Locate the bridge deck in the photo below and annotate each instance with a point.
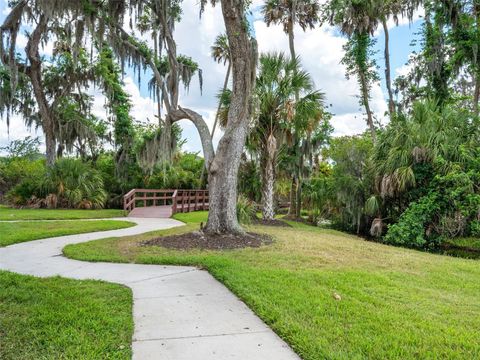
(152, 212)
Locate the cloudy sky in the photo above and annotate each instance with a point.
(320, 51)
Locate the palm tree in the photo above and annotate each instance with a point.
(221, 53)
(384, 10)
(358, 20)
(429, 133)
(290, 12)
(279, 81)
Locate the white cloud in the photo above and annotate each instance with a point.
(17, 130)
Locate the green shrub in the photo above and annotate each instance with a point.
(246, 210)
(14, 171)
(475, 228)
(75, 183)
(410, 230)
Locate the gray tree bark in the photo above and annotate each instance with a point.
(223, 171)
(34, 72)
(366, 103)
(296, 181)
(388, 76)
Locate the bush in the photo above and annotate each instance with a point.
(69, 183)
(475, 228)
(76, 184)
(14, 171)
(410, 230)
(246, 210)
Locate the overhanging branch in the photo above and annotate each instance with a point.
(202, 128)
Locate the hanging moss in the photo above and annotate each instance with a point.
(119, 105)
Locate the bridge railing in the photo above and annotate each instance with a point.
(180, 200)
(147, 197)
(190, 200)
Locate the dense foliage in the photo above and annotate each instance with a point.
(26, 180)
(413, 182)
(417, 186)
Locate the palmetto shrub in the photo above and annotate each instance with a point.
(76, 185)
(245, 210)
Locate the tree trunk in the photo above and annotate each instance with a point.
(476, 95)
(35, 74)
(358, 223)
(298, 192)
(294, 203)
(291, 40)
(388, 76)
(293, 198)
(366, 103)
(268, 185)
(223, 171)
(225, 84)
(298, 200)
(268, 179)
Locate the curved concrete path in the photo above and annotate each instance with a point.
(180, 313)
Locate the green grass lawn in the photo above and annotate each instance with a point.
(395, 303)
(7, 213)
(56, 318)
(15, 232)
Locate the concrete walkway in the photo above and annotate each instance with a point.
(180, 313)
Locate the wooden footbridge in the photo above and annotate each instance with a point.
(153, 203)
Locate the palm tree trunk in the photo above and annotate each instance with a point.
(293, 198)
(476, 96)
(268, 184)
(388, 78)
(295, 205)
(298, 195)
(358, 223)
(268, 178)
(291, 40)
(366, 103)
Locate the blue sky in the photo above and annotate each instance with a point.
(320, 51)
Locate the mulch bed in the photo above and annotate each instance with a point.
(274, 222)
(199, 240)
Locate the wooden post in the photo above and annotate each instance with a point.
(174, 201)
(183, 201)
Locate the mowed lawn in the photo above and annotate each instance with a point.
(7, 213)
(56, 318)
(16, 232)
(395, 303)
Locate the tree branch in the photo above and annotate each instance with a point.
(202, 128)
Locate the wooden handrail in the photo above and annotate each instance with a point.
(180, 200)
